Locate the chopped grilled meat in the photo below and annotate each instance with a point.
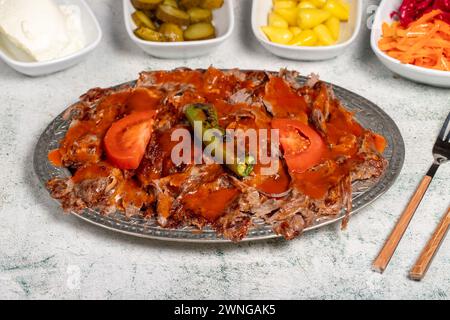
(291, 77)
(241, 96)
(200, 195)
(313, 78)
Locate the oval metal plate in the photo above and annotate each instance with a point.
(367, 113)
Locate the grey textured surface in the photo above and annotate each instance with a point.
(45, 254)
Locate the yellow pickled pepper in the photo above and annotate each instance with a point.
(284, 4)
(318, 3)
(324, 35)
(286, 9)
(305, 38)
(337, 9)
(306, 4)
(278, 35)
(290, 15)
(309, 18)
(306, 22)
(334, 25)
(276, 20)
(295, 30)
(345, 4)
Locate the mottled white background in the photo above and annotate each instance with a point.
(46, 254)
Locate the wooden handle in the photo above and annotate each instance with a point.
(420, 268)
(391, 244)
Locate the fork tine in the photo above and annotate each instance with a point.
(444, 129)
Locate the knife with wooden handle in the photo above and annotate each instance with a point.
(396, 235)
(422, 264)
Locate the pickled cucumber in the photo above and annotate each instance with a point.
(142, 20)
(149, 34)
(146, 4)
(190, 3)
(211, 4)
(200, 31)
(200, 15)
(170, 14)
(172, 3)
(171, 32)
(174, 20)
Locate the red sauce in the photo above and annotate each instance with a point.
(285, 102)
(92, 172)
(143, 99)
(132, 195)
(55, 158)
(317, 183)
(179, 77)
(342, 138)
(210, 204)
(83, 134)
(271, 184)
(213, 86)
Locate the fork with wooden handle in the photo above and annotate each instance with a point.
(420, 268)
(441, 153)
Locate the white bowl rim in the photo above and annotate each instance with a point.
(71, 56)
(225, 36)
(356, 32)
(379, 52)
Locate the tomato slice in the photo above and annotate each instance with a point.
(126, 140)
(303, 147)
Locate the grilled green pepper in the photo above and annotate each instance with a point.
(207, 115)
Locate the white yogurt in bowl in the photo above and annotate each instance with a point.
(40, 37)
(40, 30)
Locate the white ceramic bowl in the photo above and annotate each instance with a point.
(93, 35)
(418, 74)
(349, 32)
(223, 20)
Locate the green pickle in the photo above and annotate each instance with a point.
(142, 20)
(149, 34)
(200, 15)
(171, 32)
(170, 14)
(200, 31)
(211, 4)
(172, 3)
(190, 3)
(146, 4)
(174, 20)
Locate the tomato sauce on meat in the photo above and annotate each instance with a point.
(200, 195)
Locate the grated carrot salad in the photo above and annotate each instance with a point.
(424, 42)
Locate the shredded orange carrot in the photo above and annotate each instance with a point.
(424, 43)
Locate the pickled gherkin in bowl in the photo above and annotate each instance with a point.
(174, 20)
